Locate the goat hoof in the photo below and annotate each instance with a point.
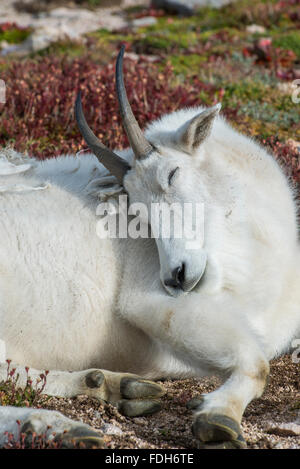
(196, 403)
(94, 379)
(218, 431)
(29, 429)
(80, 437)
(44, 424)
(132, 388)
(138, 408)
(233, 444)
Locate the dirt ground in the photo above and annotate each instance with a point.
(171, 427)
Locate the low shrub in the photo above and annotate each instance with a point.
(13, 395)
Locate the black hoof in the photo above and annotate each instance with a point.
(220, 431)
(80, 437)
(132, 388)
(138, 408)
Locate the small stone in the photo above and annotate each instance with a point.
(139, 421)
(278, 445)
(284, 429)
(10, 49)
(40, 40)
(296, 146)
(144, 22)
(4, 44)
(148, 58)
(152, 58)
(132, 56)
(255, 28)
(109, 429)
(286, 87)
(174, 6)
(187, 7)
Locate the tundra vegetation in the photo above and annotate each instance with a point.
(213, 56)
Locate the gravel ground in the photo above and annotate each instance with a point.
(171, 427)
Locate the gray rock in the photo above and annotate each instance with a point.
(284, 429)
(255, 28)
(60, 24)
(174, 6)
(144, 22)
(109, 429)
(38, 40)
(187, 7)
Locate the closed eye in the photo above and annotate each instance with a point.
(171, 175)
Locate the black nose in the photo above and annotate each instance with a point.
(177, 279)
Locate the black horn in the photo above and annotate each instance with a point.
(113, 162)
(139, 144)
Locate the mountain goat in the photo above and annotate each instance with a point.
(150, 307)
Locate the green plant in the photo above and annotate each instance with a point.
(290, 41)
(12, 33)
(12, 394)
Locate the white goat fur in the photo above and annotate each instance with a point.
(70, 301)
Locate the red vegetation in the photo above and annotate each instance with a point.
(280, 60)
(11, 26)
(288, 155)
(38, 116)
(35, 441)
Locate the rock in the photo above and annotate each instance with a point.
(41, 39)
(255, 28)
(297, 73)
(38, 40)
(63, 23)
(109, 429)
(173, 6)
(152, 58)
(133, 3)
(4, 44)
(284, 429)
(64, 14)
(14, 49)
(132, 56)
(285, 87)
(144, 22)
(296, 146)
(187, 7)
(148, 58)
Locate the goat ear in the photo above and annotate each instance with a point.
(195, 131)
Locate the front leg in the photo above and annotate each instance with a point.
(210, 334)
(131, 394)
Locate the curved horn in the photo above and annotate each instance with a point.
(140, 146)
(114, 163)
